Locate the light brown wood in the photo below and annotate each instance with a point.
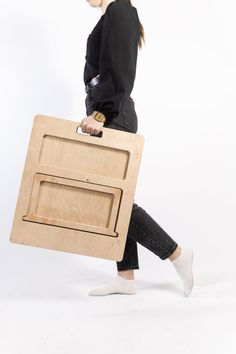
(77, 190)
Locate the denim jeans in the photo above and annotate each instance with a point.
(142, 227)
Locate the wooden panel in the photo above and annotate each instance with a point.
(63, 202)
(77, 190)
(73, 154)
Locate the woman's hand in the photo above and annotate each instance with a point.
(90, 125)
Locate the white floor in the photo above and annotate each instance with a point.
(45, 309)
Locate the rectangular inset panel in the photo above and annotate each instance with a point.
(72, 155)
(63, 202)
(73, 204)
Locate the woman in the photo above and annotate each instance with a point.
(109, 75)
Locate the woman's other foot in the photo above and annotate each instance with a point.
(183, 262)
(119, 285)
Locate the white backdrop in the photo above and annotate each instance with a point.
(184, 96)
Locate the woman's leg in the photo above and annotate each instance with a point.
(142, 229)
(145, 230)
(129, 273)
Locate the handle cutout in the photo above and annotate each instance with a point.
(99, 135)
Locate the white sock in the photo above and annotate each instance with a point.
(183, 266)
(118, 285)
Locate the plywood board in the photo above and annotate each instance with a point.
(77, 190)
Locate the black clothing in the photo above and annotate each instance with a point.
(111, 52)
(142, 227)
(126, 120)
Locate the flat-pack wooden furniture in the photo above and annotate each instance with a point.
(77, 190)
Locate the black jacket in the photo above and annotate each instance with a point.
(111, 52)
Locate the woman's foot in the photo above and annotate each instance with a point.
(183, 261)
(119, 285)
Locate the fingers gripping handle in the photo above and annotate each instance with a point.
(79, 124)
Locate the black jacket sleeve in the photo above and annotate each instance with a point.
(118, 57)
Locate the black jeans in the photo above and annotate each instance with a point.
(142, 227)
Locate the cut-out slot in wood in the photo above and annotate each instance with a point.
(73, 204)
